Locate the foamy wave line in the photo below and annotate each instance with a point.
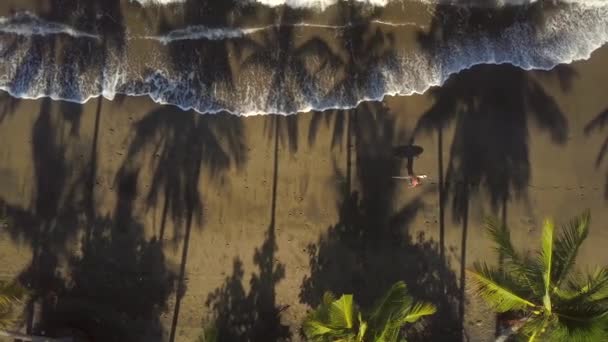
(570, 34)
(321, 4)
(196, 32)
(28, 24)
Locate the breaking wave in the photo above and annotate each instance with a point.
(186, 69)
(28, 24)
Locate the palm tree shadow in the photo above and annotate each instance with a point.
(491, 107)
(122, 277)
(371, 233)
(238, 315)
(255, 316)
(597, 124)
(365, 48)
(115, 284)
(185, 146)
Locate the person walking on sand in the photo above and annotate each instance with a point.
(410, 152)
(414, 179)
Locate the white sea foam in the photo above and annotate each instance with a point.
(28, 24)
(158, 2)
(565, 35)
(321, 4)
(196, 32)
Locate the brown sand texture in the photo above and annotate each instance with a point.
(161, 221)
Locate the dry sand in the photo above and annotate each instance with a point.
(275, 214)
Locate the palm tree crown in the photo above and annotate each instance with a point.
(552, 301)
(341, 320)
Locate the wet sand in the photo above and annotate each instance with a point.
(129, 210)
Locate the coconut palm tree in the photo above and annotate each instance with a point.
(549, 299)
(341, 320)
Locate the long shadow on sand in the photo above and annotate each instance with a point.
(490, 108)
(254, 316)
(185, 146)
(100, 277)
(597, 124)
(115, 283)
(370, 247)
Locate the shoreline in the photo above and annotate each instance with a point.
(230, 74)
(165, 221)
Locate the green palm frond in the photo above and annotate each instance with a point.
(334, 319)
(593, 287)
(394, 310)
(574, 306)
(581, 324)
(546, 258)
(567, 245)
(502, 238)
(362, 329)
(595, 332)
(528, 271)
(418, 311)
(11, 293)
(395, 303)
(320, 331)
(498, 289)
(342, 312)
(535, 328)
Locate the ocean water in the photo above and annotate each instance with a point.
(282, 56)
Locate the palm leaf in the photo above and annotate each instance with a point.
(594, 287)
(418, 311)
(362, 329)
(535, 328)
(502, 238)
(393, 310)
(395, 300)
(333, 319)
(546, 258)
(525, 269)
(580, 322)
(11, 293)
(314, 330)
(498, 289)
(388, 333)
(567, 245)
(342, 312)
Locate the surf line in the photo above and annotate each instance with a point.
(27, 24)
(197, 32)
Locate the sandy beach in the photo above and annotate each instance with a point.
(284, 208)
(136, 221)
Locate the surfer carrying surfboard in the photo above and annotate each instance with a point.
(410, 152)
